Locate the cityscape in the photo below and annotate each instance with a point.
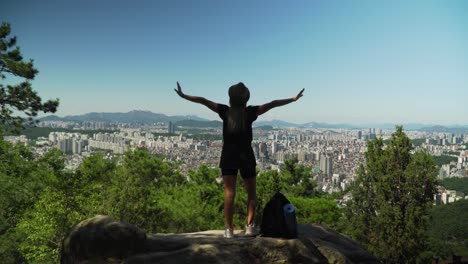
(333, 155)
(370, 142)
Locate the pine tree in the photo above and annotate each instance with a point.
(20, 98)
(391, 199)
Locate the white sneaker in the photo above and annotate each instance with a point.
(228, 233)
(250, 230)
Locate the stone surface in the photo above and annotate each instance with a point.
(316, 244)
(102, 239)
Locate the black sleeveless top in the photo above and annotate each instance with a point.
(237, 147)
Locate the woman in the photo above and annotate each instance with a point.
(237, 154)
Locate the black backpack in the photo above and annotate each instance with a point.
(276, 221)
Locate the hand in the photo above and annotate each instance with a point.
(179, 90)
(299, 95)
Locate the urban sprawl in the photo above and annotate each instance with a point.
(333, 154)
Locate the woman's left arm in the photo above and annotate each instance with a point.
(266, 107)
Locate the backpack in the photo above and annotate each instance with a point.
(279, 218)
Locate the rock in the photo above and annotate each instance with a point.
(101, 239)
(316, 244)
(336, 247)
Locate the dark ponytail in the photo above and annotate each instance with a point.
(238, 96)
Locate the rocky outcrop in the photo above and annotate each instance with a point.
(316, 244)
(101, 239)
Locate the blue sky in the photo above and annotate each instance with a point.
(360, 61)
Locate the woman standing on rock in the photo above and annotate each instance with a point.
(237, 153)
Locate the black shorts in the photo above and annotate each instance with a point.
(235, 158)
(246, 172)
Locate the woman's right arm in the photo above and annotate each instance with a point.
(266, 107)
(197, 99)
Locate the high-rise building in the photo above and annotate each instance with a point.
(274, 147)
(279, 156)
(255, 147)
(262, 147)
(326, 165)
(302, 155)
(171, 128)
(66, 145)
(263, 154)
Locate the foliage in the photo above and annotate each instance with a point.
(45, 226)
(322, 210)
(391, 200)
(133, 183)
(298, 180)
(457, 184)
(418, 141)
(20, 98)
(441, 160)
(40, 201)
(192, 206)
(57, 209)
(22, 180)
(295, 181)
(448, 229)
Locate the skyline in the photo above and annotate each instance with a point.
(392, 62)
(148, 117)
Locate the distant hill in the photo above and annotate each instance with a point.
(444, 129)
(265, 128)
(135, 116)
(148, 117)
(50, 118)
(280, 123)
(326, 125)
(199, 123)
(275, 123)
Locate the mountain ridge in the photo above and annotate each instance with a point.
(134, 116)
(148, 117)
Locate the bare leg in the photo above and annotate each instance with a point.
(251, 188)
(229, 196)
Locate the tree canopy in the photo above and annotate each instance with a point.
(448, 229)
(391, 198)
(456, 183)
(18, 98)
(40, 200)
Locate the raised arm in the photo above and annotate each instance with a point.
(266, 107)
(197, 99)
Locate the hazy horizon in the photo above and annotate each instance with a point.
(361, 62)
(263, 119)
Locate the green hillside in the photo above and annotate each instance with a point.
(457, 184)
(448, 229)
